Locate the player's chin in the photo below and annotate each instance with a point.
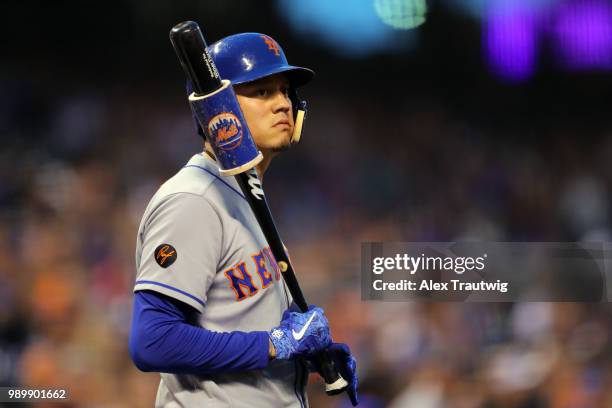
(282, 142)
(281, 147)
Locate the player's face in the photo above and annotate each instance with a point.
(267, 109)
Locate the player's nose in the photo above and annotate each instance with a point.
(281, 102)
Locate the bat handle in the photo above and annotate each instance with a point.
(334, 383)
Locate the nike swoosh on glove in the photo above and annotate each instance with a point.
(301, 334)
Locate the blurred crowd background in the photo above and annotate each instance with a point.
(429, 121)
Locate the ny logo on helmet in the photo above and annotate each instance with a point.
(272, 45)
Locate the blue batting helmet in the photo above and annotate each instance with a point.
(247, 57)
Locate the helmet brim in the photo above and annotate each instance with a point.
(298, 76)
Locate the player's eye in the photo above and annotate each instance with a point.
(262, 92)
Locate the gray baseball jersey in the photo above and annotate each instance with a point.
(200, 243)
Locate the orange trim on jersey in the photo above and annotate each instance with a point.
(243, 270)
(262, 271)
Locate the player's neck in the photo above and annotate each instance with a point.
(260, 168)
(263, 165)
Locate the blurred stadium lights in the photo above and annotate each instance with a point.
(479, 8)
(510, 42)
(581, 31)
(351, 29)
(513, 32)
(401, 14)
(583, 34)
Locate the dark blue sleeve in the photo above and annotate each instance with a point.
(163, 340)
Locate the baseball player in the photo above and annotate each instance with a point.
(211, 312)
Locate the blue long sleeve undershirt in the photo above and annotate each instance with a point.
(162, 340)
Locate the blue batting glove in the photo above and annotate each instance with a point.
(300, 334)
(346, 365)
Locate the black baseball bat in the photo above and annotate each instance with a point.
(190, 48)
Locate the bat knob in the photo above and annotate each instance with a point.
(190, 48)
(336, 387)
(184, 27)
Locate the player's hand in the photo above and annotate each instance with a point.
(300, 334)
(346, 365)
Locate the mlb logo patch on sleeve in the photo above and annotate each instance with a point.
(165, 255)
